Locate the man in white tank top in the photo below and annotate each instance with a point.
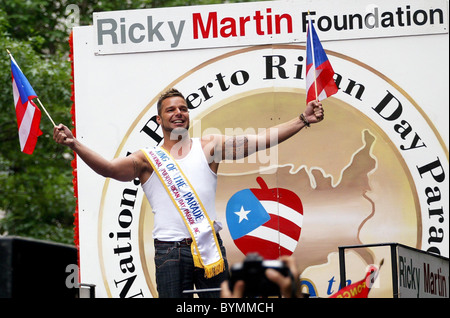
(199, 159)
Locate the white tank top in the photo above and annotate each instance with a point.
(168, 224)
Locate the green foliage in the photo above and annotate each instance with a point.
(36, 192)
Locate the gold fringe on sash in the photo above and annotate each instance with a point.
(211, 270)
(196, 257)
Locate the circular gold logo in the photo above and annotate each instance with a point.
(361, 174)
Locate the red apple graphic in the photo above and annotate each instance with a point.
(266, 221)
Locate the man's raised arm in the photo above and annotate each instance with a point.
(237, 147)
(122, 169)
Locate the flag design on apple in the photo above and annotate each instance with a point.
(266, 221)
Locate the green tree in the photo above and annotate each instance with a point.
(35, 190)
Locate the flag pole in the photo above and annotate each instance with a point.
(45, 110)
(312, 53)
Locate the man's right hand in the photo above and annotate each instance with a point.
(63, 136)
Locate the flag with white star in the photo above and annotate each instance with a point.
(245, 213)
(265, 221)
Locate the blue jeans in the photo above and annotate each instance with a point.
(175, 271)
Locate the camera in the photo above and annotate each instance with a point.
(252, 272)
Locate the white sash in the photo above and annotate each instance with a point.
(205, 247)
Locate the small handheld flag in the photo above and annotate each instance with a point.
(27, 113)
(319, 72)
(361, 288)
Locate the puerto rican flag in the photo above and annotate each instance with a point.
(262, 222)
(319, 71)
(361, 288)
(27, 113)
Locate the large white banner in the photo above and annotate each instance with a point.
(262, 23)
(375, 170)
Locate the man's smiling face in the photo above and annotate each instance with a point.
(174, 114)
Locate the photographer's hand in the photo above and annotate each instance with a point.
(238, 291)
(290, 285)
